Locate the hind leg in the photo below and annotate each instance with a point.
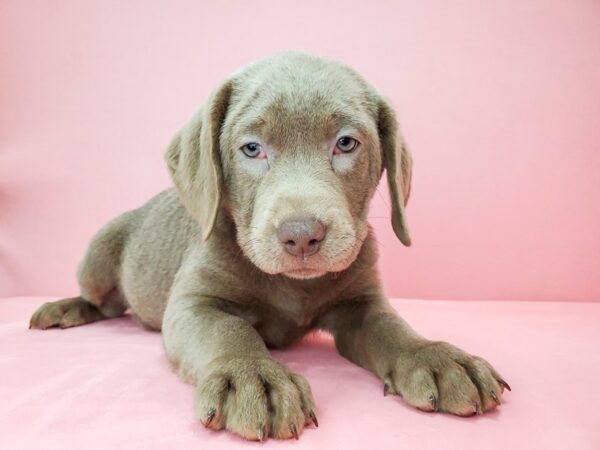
(98, 276)
(66, 313)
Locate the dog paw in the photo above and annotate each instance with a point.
(437, 376)
(66, 313)
(255, 397)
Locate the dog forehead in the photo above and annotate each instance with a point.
(298, 70)
(312, 104)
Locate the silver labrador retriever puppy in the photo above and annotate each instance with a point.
(266, 238)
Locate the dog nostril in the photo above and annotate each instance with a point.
(301, 236)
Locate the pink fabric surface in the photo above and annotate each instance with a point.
(498, 100)
(108, 385)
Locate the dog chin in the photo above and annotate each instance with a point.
(304, 274)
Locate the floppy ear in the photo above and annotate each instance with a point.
(397, 162)
(194, 160)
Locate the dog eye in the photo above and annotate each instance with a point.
(346, 144)
(251, 150)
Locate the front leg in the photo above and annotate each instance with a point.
(239, 386)
(432, 376)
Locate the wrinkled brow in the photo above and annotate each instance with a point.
(254, 123)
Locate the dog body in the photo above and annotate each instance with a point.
(142, 251)
(264, 238)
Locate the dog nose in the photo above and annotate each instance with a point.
(301, 236)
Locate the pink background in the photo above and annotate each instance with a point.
(499, 101)
(108, 385)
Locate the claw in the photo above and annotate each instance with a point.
(504, 384)
(476, 408)
(294, 430)
(494, 397)
(433, 402)
(313, 417)
(210, 416)
(386, 389)
(262, 433)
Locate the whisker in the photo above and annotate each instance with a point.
(382, 197)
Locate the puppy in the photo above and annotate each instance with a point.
(265, 238)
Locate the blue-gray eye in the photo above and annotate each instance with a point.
(251, 150)
(346, 144)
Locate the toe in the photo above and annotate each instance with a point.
(499, 378)
(490, 391)
(210, 401)
(48, 315)
(307, 402)
(247, 408)
(419, 389)
(457, 393)
(71, 318)
(287, 416)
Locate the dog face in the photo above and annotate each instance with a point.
(293, 147)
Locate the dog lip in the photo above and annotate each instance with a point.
(304, 273)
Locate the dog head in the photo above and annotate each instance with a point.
(292, 147)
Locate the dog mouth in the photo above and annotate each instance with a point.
(314, 267)
(269, 254)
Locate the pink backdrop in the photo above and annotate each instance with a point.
(499, 101)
